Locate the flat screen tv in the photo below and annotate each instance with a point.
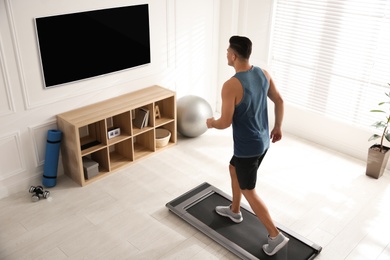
(82, 45)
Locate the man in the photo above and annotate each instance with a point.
(244, 106)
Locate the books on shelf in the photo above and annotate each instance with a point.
(141, 118)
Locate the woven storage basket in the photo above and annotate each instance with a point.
(162, 137)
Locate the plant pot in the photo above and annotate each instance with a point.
(377, 161)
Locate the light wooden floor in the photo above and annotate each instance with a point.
(318, 193)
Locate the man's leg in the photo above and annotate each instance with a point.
(276, 240)
(260, 209)
(233, 210)
(236, 191)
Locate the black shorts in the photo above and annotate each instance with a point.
(246, 170)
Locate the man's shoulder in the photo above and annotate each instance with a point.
(232, 83)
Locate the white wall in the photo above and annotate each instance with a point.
(251, 18)
(337, 135)
(184, 35)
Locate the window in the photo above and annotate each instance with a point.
(333, 57)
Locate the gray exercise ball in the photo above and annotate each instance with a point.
(192, 112)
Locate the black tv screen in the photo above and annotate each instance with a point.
(82, 45)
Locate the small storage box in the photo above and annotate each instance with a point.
(91, 168)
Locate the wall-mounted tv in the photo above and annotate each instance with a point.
(82, 45)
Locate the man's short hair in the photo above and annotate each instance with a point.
(241, 45)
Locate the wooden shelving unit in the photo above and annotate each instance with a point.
(85, 132)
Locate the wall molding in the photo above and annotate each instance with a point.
(15, 138)
(11, 22)
(38, 135)
(4, 72)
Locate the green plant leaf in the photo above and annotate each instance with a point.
(385, 102)
(383, 124)
(375, 136)
(379, 124)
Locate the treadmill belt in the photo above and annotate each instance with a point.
(245, 239)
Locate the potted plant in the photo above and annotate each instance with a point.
(378, 153)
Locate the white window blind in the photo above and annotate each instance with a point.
(333, 57)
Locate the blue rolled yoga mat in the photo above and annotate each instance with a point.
(51, 159)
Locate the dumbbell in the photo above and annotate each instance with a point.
(38, 192)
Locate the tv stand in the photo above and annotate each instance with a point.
(85, 132)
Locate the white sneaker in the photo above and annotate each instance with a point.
(227, 212)
(274, 245)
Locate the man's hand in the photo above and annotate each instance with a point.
(209, 122)
(276, 135)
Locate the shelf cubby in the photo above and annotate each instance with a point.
(144, 144)
(121, 121)
(167, 110)
(150, 120)
(92, 136)
(121, 154)
(85, 131)
(171, 127)
(101, 157)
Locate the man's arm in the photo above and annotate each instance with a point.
(274, 95)
(228, 95)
